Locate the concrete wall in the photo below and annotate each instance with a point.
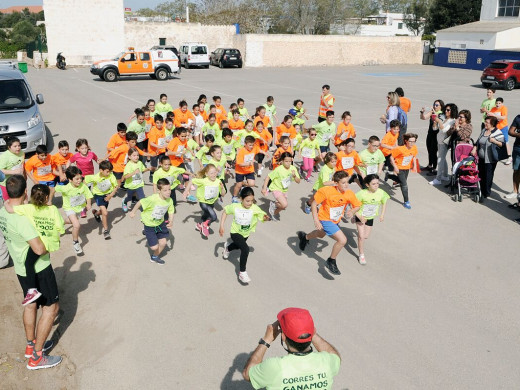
(455, 40)
(84, 31)
(489, 12)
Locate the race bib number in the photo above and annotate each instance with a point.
(347, 162)
(406, 161)
(294, 141)
(371, 169)
(104, 186)
(137, 179)
(169, 137)
(308, 153)
(159, 211)
(248, 158)
(343, 136)
(228, 149)
(161, 142)
(141, 137)
(78, 200)
(243, 141)
(210, 192)
(170, 179)
(335, 213)
(147, 127)
(180, 149)
(211, 131)
(286, 134)
(243, 217)
(325, 137)
(243, 118)
(286, 182)
(370, 210)
(17, 166)
(42, 171)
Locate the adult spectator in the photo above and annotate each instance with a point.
(301, 368)
(514, 131)
(431, 138)
(489, 138)
(487, 104)
(326, 103)
(23, 241)
(450, 115)
(460, 131)
(392, 112)
(405, 103)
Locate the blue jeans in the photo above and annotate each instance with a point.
(208, 212)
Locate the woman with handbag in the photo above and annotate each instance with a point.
(490, 148)
(451, 113)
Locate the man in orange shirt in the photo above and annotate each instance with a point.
(183, 116)
(404, 102)
(118, 138)
(333, 201)
(40, 168)
(402, 159)
(245, 165)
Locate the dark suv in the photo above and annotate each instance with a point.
(226, 57)
(501, 73)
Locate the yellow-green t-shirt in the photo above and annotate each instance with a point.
(281, 178)
(220, 165)
(135, 181)
(203, 155)
(74, 198)
(213, 130)
(309, 148)
(101, 185)
(241, 135)
(154, 208)
(228, 149)
(324, 176)
(370, 202)
(139, 129)
(244, 220)
(207, 191)
(170, 175)
(10, 161)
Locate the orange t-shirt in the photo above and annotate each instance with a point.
(236, 125)
(177, 146)
(204, 115)
(405, 104)
(347, 162)
(333, 203)
(119, 157)
(284, 130)
(149, 124)
(264, 120)
(181, 118)
(59, 160)
(344, 132)
(221, 110)
(388, 139)
(503, 112)
(158, 137)
(278, 152)
(403, 156)
(41, 169)
(244, 155)
(264, 140)
(115, 141)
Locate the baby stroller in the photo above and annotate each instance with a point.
(465, 178)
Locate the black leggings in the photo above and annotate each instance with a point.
(30, 273)
(431, 145)
(239, 242)
(402, 178)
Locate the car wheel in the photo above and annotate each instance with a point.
(161, 74)
(186, 65)
(509, 84)
(240, 65)
(110, 75)
(221, 65)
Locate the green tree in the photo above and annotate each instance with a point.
(449, 13)
(23, 33)
(415, 16)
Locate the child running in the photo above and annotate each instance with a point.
(245, 166)
(349, 161)
(280, 179)
(309, 150)
(171, 173)
(11, 162)
(333, 200)
(40, 168)
(83, 159)
(246, 216)
(371, 198)
(133, 178)
(156, 229)
(324, 177)
(61, 161)
(76, 198)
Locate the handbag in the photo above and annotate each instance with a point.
(499, 153)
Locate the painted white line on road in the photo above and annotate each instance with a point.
(108, 90)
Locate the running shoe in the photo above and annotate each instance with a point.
(205, 230)
(362, 260)
(83, 213)
(29, 348)
(508, 161)
(235, 199)
(333, 267)
(272, 209)
(96, 216)
(260, 170)
(225, 253)
(191, 198)
(157, 260)
(511, 195)
(386, 177)
(307, 209)
(407, 205)
(32, 295)
(244, 277)
(198, 227)
(124, 206)
(303, 240)
(435, 182)
(77, 247)
(106, 234)
(39, 361)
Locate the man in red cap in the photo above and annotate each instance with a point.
(302, 367)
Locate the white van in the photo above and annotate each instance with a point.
(194, 54)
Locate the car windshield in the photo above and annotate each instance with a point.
(232, 52)
(14, 94)
(116, 58)
(199, 50)
(497, 65)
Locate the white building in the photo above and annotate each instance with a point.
(475, 45)
(385, 24)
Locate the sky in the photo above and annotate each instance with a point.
(134, 4)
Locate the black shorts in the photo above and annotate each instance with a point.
(240, 178)
(155, 233)
(100, 200)
(154, 160)
(353, 178)
(118, 175)
(46, 284)
(369, 222)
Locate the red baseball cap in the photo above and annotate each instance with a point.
(296, 323)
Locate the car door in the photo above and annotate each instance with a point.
(128, 63)
(145, 63)
(216, 56)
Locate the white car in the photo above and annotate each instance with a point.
(194, 54)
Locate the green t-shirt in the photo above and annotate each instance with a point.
(10, 161)
(244, 220)
(324, 176)
(241, 135)
(163, 109)
(154, 209)
(207, 191)
(221, 166)
(281, 178)
(135, 181)
(17, 230)
(488, 104)
(309, 148)
(372, 161)
(170, 175)
(74, 198)
(213, 130)
(298, 120)
(243, 114)
(47, 221)
(270, 112)
(194, 146)
(325, 132)
(228, 149)
(370, 202)
(203, 155)
(139, 129)
(313, 371)
(168, 134)
(102, 185)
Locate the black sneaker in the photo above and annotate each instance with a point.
(96, 216)
(156, 260)
(106, 234)
(303, 240)
(332, 266)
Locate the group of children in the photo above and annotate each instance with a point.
(198, 151)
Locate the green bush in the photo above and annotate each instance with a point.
(429, 37)
(8, 50)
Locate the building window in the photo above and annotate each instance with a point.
(400, 25)
(508, 7)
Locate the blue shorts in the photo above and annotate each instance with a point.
(240, 178)
(100, 200)
(48, 183)
(155, 233)
(505, 133)
(330, 228)
(324, 149)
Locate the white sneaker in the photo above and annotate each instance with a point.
(435, 182)
(77, 248)
(244, 277)
(272, 208)
(508, 161)
(225, 253)
(511, 195)
(362, 260)
(260, 170)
